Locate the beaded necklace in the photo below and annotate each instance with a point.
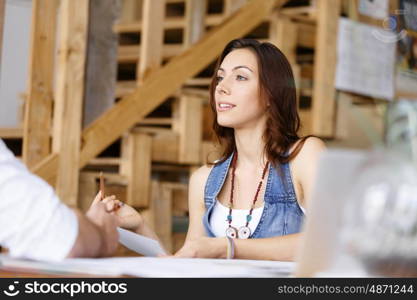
(244, 232)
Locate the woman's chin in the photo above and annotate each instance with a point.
(226, 123)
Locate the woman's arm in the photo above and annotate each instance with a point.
(305, 167)
(196, 203)
(282, 248)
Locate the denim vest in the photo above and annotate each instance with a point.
(281, 214)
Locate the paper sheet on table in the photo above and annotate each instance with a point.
(160, 267)
(140, 243)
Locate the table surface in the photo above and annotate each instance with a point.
(15, 273)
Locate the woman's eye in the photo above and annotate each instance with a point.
(219, 78)
(240, 77)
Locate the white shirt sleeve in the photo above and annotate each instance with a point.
(33, 222)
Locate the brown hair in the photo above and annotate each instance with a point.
(277, 88)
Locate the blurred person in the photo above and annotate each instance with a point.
(35, 224)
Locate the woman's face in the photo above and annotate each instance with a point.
(237, 96)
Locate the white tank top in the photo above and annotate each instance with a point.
(218, 219)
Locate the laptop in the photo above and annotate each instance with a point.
(320, 245)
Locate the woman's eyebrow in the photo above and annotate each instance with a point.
(235, 68)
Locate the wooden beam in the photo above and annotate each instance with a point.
(283, 33)
(38, 106)
(72, 52)
(306, 36)
(188, 114)
(163, 210)
(159, 213)
(131, 10)
(165, 81)
(152, 38)
(168, 23)
(130, 53)
(136, 166)
(179, 198)
(231, 6)
(47, 168)
(325, 58)
(87, 192)
(11, 133)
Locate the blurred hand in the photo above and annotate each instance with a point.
(107, 223)
(127, 216)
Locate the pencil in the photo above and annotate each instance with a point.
(102, 186)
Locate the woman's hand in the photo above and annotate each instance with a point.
(127, 216)
(204, 247)
(106, 223)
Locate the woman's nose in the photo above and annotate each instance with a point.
(222, 88)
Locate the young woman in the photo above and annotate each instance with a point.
(256, 193)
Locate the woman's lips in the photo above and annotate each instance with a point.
(223, 106)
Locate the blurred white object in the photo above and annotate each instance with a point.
(380, 221)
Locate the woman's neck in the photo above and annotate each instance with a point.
(250, 146)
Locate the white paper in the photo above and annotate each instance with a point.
(376, 9)
(65, 267)
(365, 59)
(139, 243)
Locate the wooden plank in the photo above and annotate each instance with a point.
(195, 12)
(165, 81)
(131, 10)
(11, 133)
(325, 58)
(152, 38)
(306, 35)
(87, 192)
(298, 10)
(231, 6)
(168, 23)
(156, 121)
(180, 199)
(136, 166)
(188, 114)
(163, 210)
(165, 147)
(72, 50)
(130, 53)
(283, 33)
(148, 213)
(38, 107)
(105, 161)
(164, 143)
(305, 118)
(47, 168)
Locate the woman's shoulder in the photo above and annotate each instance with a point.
(310, 144)
(311, 147)
(201, 174)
